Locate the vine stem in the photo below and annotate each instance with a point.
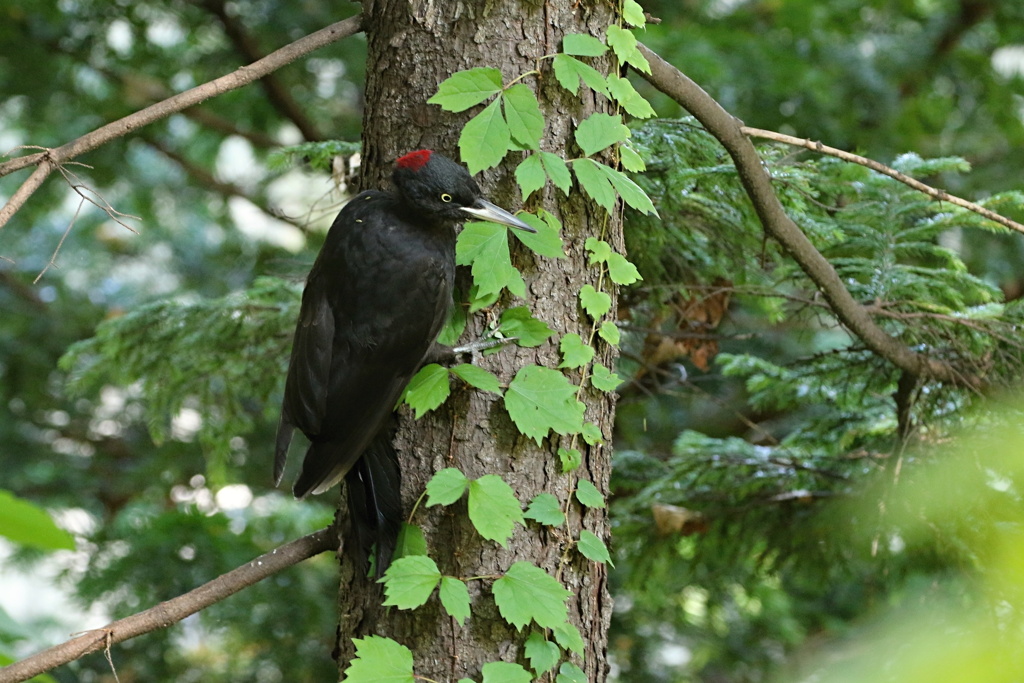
(521, 77)
(416, 506)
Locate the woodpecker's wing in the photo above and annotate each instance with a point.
(358, 406)
(309, 370)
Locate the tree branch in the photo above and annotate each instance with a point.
(167, 613)
(935, 193)
(155, 91)
(27, 188)
(756, 181)
(276, 92)
(236, 79)
(208, 181)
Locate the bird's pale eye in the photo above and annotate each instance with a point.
(446, 197)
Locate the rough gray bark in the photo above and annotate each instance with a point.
(412, 46)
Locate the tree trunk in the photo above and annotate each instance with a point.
(412, 46)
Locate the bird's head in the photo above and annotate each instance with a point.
(440, 187)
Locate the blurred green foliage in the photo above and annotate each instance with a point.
(784, 503)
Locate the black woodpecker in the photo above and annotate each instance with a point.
(375, 301)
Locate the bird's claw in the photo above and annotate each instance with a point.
(474, 348)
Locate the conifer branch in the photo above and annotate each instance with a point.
(935, 193)
(728, 130)
(174, 610)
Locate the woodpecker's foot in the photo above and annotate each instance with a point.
(480, 345)
(445, 355)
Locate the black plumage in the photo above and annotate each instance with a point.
(374, 303)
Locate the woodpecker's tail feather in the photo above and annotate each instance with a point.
(375, 502)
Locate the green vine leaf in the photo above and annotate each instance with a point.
(570, 673)
(569, 71)
(630, 192)
(410, 541)
(623, 92)
(476, 376)
(570, 459)
(493, 508)
(588, 495)
(623, 42)
(582, 45)
(409, 581)
(454, 328)
(544, 508)
(593, 548)
(485, 138)
(525, 120)
(557, 170)
(464, 89)
(484, 246)
(380, 660)
(595, 303)
(631, 160)
(540, 400)
(575, 353)
(543, 654)
(604, 379)
(547, 241)
(519, 323)
(600, 130)
(568, 636)
(621, 271)
(478, 301)
(609, 331)
(592, 434)
(505, 672)
(595, 183)
(427, 389)
(599, 250)
(633, 13)
(455, 598)
(527, 593)
(530, 175)
(446, 487)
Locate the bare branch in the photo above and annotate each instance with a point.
(209, 119)
(234, 80)
(210, 182)
(935, 193)
(67, 231)
(167, 613)
(756, 181)
(155, 91)
(84, 191)
(27, 294)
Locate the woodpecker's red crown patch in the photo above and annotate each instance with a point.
(414, 161)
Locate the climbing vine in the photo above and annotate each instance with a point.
(539, 400)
